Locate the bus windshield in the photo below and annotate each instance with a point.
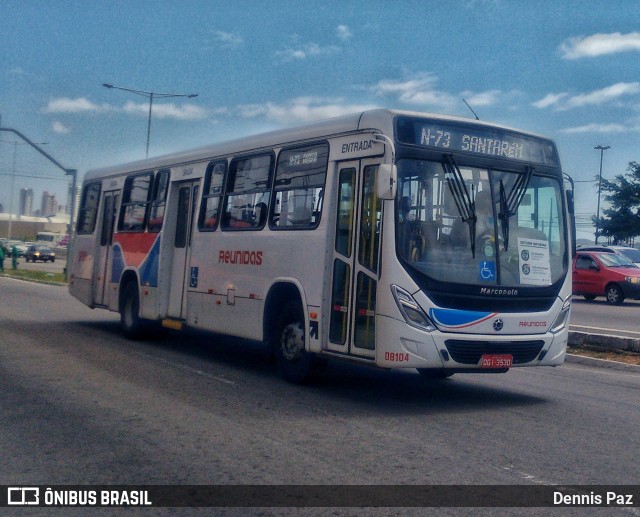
(478, 226)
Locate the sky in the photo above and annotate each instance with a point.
(568, 70)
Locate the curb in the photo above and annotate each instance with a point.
(604, 341)
(33, 281)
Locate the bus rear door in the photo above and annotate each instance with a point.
(107, 222)
(182, 276)
(355, 260)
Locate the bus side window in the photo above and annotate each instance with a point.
(299, 187)
(161, 185)
(135, 203)
(212, 196)
(247, 192)
(87, 215)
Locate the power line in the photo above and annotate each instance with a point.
(32, 176)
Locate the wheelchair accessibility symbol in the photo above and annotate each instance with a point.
(487, 270)
(193, 277)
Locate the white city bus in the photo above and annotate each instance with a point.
(403, 240)
(50, 238)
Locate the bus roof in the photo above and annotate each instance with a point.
(374, 119)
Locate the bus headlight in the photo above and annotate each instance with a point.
(562, 318)
(410, 310)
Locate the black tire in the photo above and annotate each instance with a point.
(295, 364)
(589, 297)
(130, 321)
(434, 374)
(53, 260)
(614, 294)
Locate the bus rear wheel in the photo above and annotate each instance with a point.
(130, 321)
(296, 365)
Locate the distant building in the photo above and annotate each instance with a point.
(26, 201)
(49, 205)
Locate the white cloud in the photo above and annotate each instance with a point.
(17, 71)
(610, 94)
(228, 39)
(595, 128)
(604, 95)
(419, 90)
(599, 45)
(60, 128)
(302, 109)
(168, 110)
(306, 51)
(343, 32)
(79, 105)
(160, 110)
(488, 98)
(551, 99)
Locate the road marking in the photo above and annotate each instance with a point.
(186, 367)
(576, 327)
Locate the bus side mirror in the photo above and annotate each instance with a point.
(387, 181)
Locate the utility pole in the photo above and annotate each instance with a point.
(602, 149)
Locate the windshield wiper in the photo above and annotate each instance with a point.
(465, 205)
(510, 202)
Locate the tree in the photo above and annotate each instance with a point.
(621, 221)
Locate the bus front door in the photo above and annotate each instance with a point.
(187, 194)
(355, 261)
(103, 255)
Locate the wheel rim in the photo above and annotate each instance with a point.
(613, 295)
(292, 341)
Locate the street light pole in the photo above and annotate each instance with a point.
(602, 149)
(68, 172)
(150, 96)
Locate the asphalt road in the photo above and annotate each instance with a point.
(79, 404)
(599, 317)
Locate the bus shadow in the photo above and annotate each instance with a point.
(370, 389)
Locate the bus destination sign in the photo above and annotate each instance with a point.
(477, 140)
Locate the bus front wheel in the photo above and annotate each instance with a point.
(294, 362)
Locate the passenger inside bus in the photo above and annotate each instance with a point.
(484, 228)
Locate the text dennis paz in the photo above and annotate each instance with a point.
(593, 499)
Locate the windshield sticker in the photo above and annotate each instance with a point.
(487, 271)
(535, 265)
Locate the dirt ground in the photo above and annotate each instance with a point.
(610, 355)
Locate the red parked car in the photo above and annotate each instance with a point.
(607, 274)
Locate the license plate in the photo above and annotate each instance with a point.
(496, 361)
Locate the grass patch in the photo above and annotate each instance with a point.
(35, 276)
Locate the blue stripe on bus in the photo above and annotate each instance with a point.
(149, 268)
(457, 318)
